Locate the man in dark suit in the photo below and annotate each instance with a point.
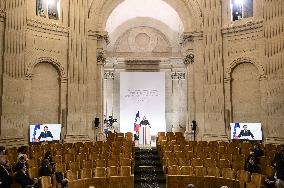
(22, 177)
(45, 134)
(5, 179)
(245, 132)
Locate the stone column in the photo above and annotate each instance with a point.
(77, 125)
(14, 117)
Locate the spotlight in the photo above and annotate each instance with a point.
(50, 2)
(239, 2)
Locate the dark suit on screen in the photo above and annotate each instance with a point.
(245, 133)
(45, 135)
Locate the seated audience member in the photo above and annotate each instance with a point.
(5, 179)
(257, 151)
(270, 182)
(2, 150)
(48, 156)
(21, 160)
(45, 169)
(190, 186)
(252, 165)
(278, 164)
(22, 178)
(61, 180)
(22, 151)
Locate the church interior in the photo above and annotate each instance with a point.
(142, 93)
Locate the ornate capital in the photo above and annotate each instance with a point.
(190, 36)
(108, 75)
(99, 35)
(178, 75)
(101, 58)
(189, 59)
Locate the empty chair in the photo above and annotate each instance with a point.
(208, 162)
(224, 163)
(45, 182)
(33, 172)
(69, 157)
(213, 171)
(85, 173)
(257, 179)
(228, 173)
(199, 171)
(183, 162)
(57, 159)
(173, 170)
(196, 162)
(187, 170)
(72, 175)
(101, 163)
(125, 171)
(244, 177)
(112, 171)
(87, 164)
(74, 166)
(100, 172)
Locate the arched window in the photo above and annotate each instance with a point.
(48, 9)
(241, 9)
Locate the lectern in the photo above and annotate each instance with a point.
(144, 135)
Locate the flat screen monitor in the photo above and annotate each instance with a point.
(45, 132)
(246, 131)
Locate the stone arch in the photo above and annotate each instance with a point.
(54, 62)
(147, 22)
(235, 63)
(100, 11)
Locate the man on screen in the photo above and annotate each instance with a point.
(46, 134)
(245, 133)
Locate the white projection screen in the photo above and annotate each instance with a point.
(143, 92)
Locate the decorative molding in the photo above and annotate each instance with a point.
(178, 75)
(235, 63)
(101, 57)
(191, 36)
(54, 62)
(99, 35)
(244, 26)
(142, 61)
(109, 75)
(41, 26)
(2, 14)
(189, 59)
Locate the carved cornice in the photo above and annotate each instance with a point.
(191, 36)
(243, 26)
(44, 26)
(99, 35)
(142, 61)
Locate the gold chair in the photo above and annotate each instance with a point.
(125, 171)
(186, 170)
(196, 162)
(72, 175)
(99, 172)
(200, 171)
(213, 171)
(228, 173)
(224, 163)
(45, 182)
(85, 173)
(112, 171)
